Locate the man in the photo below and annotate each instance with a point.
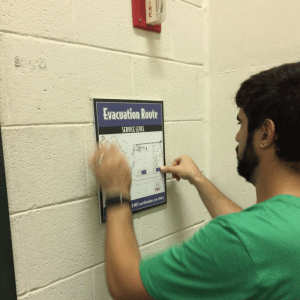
(241, 254)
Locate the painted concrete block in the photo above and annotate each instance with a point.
(51, 19)
(181, 87)
(90, 147)
(109, 25)
(170, 241)
(62, 240)
(3, 90)
(49, 82)
(45, 165)
(18, 254)
(184, 209)
(188, 33)
(99, 281)
(77, 287)
(223, 124)
(186, 138)
(194, 2)
(253, 33)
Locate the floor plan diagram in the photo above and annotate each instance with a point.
(145, 160)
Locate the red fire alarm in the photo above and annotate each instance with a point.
(139, 17)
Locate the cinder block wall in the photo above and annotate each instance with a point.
(55, 57)
(245, 37)
(58, 55)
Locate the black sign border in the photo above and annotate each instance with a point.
(97, 100)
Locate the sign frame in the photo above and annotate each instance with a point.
(105, 131)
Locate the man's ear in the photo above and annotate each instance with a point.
(268, 134)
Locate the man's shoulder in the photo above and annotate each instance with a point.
(264, 223)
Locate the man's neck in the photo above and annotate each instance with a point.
(274, 179)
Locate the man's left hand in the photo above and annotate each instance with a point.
(111, 169)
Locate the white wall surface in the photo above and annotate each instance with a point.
(55, 57)
(245, 37)
(58, 55)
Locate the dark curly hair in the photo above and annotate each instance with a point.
(275, 94)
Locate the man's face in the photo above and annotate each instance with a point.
(246, 155)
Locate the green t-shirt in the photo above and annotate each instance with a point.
(254, 254)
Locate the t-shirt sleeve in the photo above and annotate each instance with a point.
(213, 264)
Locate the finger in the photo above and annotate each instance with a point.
(175, 176)
(168, 169)
(103, 147)
(101, 151)
(96, 156)
(114, 148)
(176, 161)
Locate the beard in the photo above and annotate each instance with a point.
(249, 162)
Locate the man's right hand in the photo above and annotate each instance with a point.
(214, 200)
(183, 167)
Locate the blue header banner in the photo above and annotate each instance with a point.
(111, 114)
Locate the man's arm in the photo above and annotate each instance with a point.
(215, 202)
(122, 253)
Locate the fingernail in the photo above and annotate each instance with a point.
(162, 169)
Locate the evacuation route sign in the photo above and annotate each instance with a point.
(137, 128)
